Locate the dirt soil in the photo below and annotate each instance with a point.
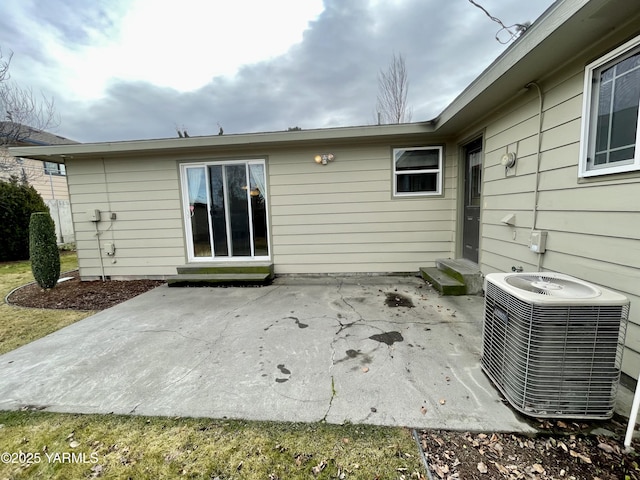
(77, 295)
(563, 449)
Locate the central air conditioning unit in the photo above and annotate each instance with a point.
(552, 344)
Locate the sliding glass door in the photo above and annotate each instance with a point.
(226, 210)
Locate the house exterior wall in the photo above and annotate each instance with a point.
(52, 188)
(54, 191)
(335, 218)
(147, 231)
(593, 224)
(341, 218)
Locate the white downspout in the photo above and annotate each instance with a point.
(633, 416)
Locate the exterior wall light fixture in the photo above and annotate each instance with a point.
(508, 160)
(324, 158)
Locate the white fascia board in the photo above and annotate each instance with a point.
(217, 141)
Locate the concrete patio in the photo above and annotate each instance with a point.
(378, 350)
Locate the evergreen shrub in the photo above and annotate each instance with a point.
(43, 250)
(17, 202)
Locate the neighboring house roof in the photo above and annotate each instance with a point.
(562, 31)
(25, 135)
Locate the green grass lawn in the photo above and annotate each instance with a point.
(66, 446)
(19, 326)
(153, 448)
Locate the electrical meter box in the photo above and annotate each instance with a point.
(94, 215)
(110, 249)
(538, 241)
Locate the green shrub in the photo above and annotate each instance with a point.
(17, 202)
(43, 250)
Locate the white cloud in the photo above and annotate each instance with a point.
(130, 69)
(184, 44)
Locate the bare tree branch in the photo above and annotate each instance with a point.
(23, 117)
(4, 67)
(24, 113)
(393, 87)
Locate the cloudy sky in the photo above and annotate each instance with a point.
(137, 69)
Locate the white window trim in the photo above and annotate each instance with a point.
(438, 171)
(588, 120)
(186, 214)
(59, 169)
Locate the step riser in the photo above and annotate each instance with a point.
(454, 277)
(443, 283)
(223, 274)
(213, 283)
(465, 272)
(266, 269)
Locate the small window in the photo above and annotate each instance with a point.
(51, 168)
(417, 171)
(610, 140)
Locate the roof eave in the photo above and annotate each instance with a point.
(564, 32)
(540, 30)
(58, 153)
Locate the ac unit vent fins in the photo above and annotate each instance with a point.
(553, 344)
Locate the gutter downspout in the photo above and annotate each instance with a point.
(536, 191)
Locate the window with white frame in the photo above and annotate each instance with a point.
(417, 171)
(610, 140)
(51, 168)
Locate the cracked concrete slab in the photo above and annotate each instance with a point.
(378, 350)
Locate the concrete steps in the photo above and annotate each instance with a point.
(454, 277)
(220, 274)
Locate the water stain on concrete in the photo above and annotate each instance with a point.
(395, 299)
(352, 354)
(283, 370)
(388, 337)
(298, 322)
(355, 299)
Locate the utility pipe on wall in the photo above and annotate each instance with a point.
(100, 252)
(536, 191)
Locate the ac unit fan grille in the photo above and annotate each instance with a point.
(552, 286)
(553, 361)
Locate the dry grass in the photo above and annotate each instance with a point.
(64, 446)
(150, 448)
(19, 326)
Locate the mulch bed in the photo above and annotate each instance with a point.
(565, 451)
(75, 294)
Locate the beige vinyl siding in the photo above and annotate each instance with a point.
(147, 232)
(335, 218)
(341, 217)
(52, 188)
(593, 226)
(49, 187)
